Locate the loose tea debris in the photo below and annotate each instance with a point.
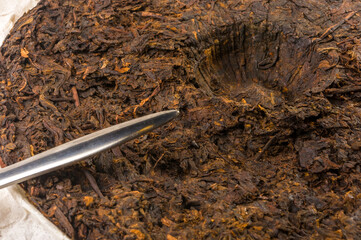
(267, 142)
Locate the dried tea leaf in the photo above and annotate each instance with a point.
(88, 200)
(24, 53)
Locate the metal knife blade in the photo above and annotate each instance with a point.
(78, 149)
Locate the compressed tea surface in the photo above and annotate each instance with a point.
(268, 141)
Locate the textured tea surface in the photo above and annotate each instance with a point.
(268, 141)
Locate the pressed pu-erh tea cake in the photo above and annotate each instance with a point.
(267, 144)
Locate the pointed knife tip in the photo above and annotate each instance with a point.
(174, 113)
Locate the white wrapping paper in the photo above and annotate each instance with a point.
(19, 220)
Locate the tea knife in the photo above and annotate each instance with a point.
(78, 149)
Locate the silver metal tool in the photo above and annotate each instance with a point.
(78, 149)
